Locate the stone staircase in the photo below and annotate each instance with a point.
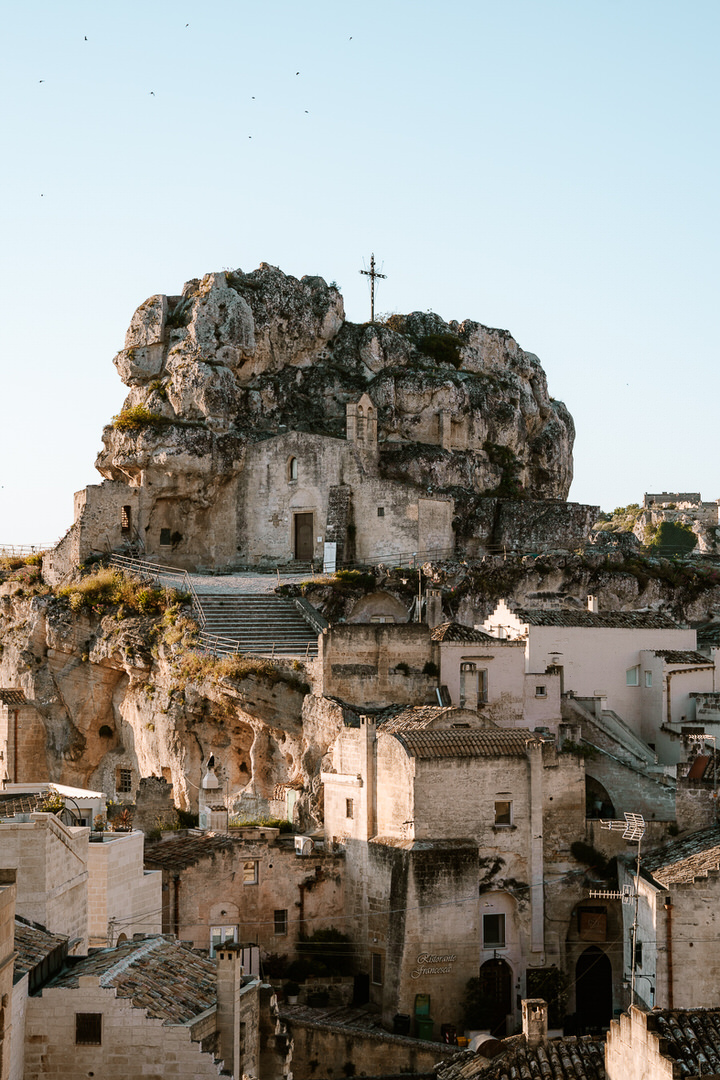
(250, 623)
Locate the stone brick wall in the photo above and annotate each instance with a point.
(634, 1052)
(372, 1053)
(133, 1044)
(360, 663)
(123, 898)
(7, 934)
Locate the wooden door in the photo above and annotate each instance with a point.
(304, 548)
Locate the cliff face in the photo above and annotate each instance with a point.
(125, 693)
(238, 357)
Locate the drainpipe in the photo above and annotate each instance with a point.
(176, 907)
(15, 746)
(668, 942)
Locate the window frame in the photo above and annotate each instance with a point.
(223, 936)
(541, 691)
(648, 679)
(90, 1021)
(124, 781)
(632, 676)
(504, 824)
(500, 941)
(376, 968)
(248, 865)
(281, 923)
(349, 809)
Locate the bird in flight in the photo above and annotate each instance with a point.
(86, 37)
(152, 92)
(297, 72)
(41, 80)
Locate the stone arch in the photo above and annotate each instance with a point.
(378, 606)
(292, 468)
(593, 989)
(598, 803)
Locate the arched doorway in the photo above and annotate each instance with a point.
(496, 995)
(593, 989)
(598, 803)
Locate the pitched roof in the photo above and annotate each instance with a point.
(32, 945)
(693, 1038)
(453, 631)
(12, 803)
(556, 1059)
(170, 981)
(13, 697)
(189, 850)
(684, 656)
(511, 742)
(416, 717)
(601, 620)
(684, 860)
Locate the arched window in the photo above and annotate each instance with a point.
(360, 428)
(292, 470)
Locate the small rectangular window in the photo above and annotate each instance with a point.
(540, 691)
(88, 1029)
(632, 676)
(381, 511)
(648, 678)
(220, 934)
(503, 813)
(638, 955)
(493, 931)
(250, 872)
(281, 921)
(165, 538)
(349, 808)
(125, 519)
(377, 966)
(124, 781)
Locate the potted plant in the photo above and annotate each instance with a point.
(291, 993)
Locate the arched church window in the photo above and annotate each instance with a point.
(292, 468)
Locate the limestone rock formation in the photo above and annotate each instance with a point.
(239, 357)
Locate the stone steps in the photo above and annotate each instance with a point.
(244, 622)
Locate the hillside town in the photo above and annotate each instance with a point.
(334, 741)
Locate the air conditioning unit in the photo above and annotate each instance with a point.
(303, 845)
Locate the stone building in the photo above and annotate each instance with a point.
(663, 1044)
(678, 951)
(429, 805)
(253, 886)
(641, 665)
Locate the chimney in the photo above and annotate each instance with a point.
(534, 1021)
(592, 604)
(229, 981)
(433, 607)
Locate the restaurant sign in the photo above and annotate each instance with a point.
(433, 964)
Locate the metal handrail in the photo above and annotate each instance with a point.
(155, 571)
(211, 642)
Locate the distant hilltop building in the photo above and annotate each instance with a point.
(260, 426)
(684, 508)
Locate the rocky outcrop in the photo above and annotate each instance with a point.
(114, 694)
(239, 357)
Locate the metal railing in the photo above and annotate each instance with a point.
(8, 551)
(216, 644)
(159, 575)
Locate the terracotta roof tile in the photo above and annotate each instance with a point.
(684, 860)
(693, 1038)
(453, 631)
(416, 717)
(32, 945)
(632, 620)
(13, 697)
(171, 982)
(15, 802)
(189, 850)
(557, 1059)
(511, 742)
(684, 656)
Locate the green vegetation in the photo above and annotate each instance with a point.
(551, 985)
(261, 823)
(326, 952)
(110, 589)
(195, 666)
(137, 417)
(622, 519)
(670, 538)
(443, 348)
(509, 486)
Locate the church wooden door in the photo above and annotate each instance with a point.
(304, 537)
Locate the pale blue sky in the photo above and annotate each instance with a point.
(547, 167)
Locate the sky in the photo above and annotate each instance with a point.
(546, 167)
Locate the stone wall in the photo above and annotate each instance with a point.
(372, 1053)
(7, 939)
(133, 1044)
(361, 663)
(634, 1052)
(123, 898)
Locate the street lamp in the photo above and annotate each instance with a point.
(703, 737)
(633, 828)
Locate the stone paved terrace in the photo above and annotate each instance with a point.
(246, 582)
